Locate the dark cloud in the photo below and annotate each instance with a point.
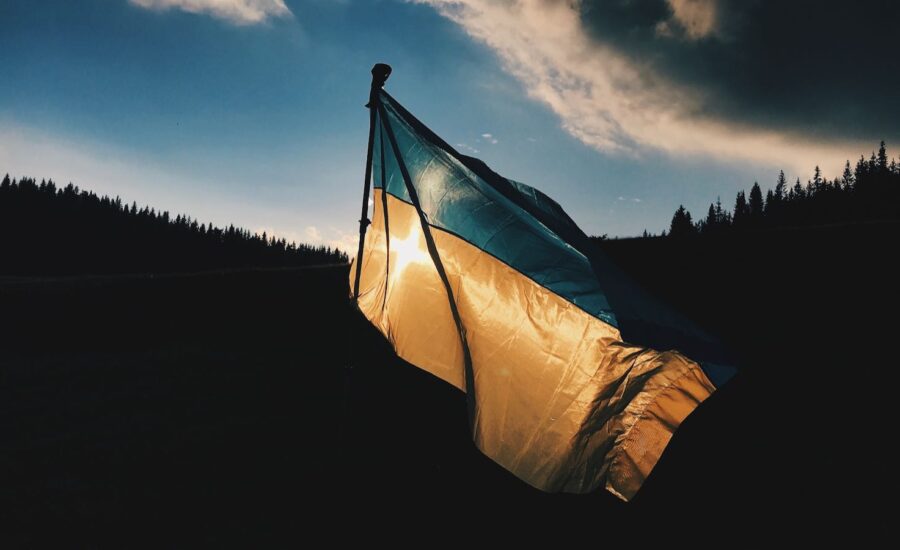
(826, 69)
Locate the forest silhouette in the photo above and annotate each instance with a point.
(46, 230)
(868, 192)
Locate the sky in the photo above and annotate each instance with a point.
(251, 112)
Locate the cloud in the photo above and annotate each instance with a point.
(489, 138)
(467, 148)
(348, 242)
(696, 18)
(313, 234)
(621, 86)
(238, 12)
(286, 234)
(333, 237)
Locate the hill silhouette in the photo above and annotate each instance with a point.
(45, 230)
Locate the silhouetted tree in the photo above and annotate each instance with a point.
(741, 210)
(797, 192)
(770, 207)
(847, 177)
(755, 206)
(711, 223)
(817, 182)
(882, 163)
(780, 187)
(681, 225)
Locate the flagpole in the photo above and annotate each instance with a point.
(380, 73)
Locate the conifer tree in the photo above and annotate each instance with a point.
(681, 225)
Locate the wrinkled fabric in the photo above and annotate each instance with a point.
(556, 396)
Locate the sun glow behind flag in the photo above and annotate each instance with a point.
(487, 284)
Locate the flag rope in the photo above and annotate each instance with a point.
(438, 264)
(387, 227)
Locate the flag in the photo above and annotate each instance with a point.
(575, 378)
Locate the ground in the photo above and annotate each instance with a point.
(256, 408)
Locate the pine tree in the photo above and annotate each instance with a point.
(756, 201)
(861, 169)
(798, 191)
(780, 187)
(711, 223)
(882, 162)
(681, 225)
(847, 177)
(817, 183)
(741, 210)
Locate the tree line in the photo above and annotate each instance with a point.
(867, 192)
(45, 229)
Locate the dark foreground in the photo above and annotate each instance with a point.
(213, 409)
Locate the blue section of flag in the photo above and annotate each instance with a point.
(509, 220)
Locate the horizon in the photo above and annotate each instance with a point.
(251, 113)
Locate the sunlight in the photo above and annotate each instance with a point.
(408, 250)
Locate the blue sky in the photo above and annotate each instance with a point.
(251, 111)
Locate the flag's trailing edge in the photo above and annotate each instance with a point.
(487, 284)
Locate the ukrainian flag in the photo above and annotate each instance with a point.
(487, 284)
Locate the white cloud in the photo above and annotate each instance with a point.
(614, 105)
(313, 234)
(238, 12)
(348, 242)
(287, 235)
(467, 148)
(489, 138)
(333, 237)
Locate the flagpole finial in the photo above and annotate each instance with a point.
(380, 73)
